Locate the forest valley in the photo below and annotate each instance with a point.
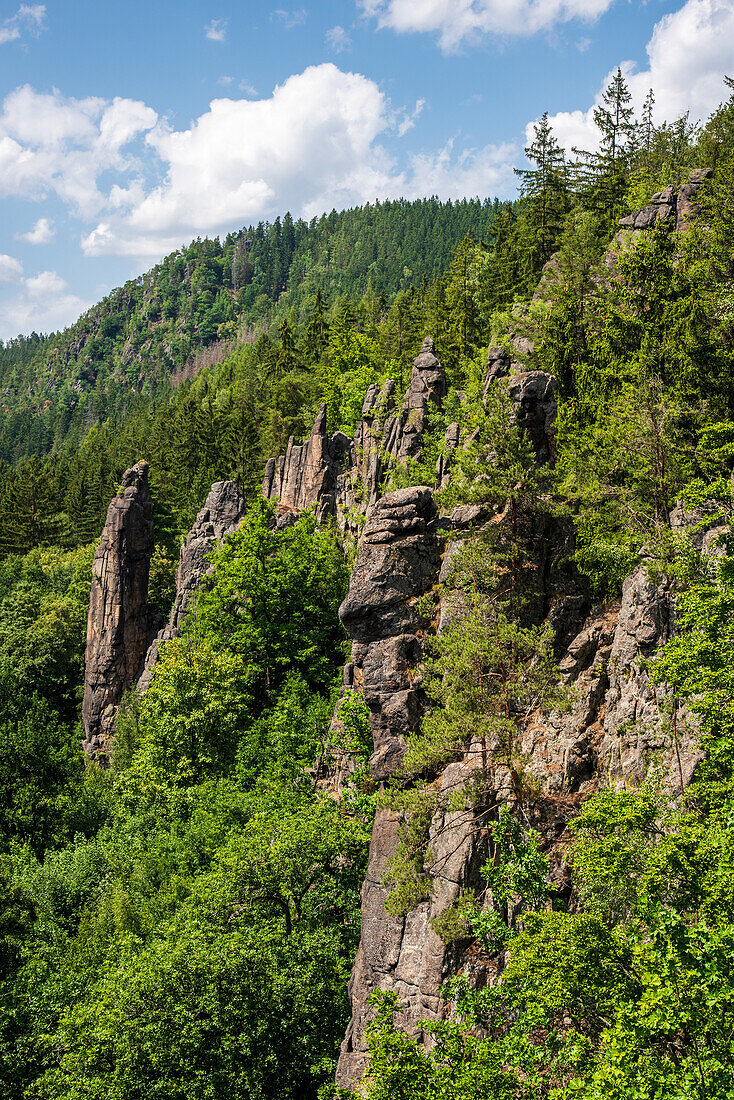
(179, 922)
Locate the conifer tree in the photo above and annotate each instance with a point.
(546, 188)
(316, 333)
(602, 174)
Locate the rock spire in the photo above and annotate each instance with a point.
(117, 622)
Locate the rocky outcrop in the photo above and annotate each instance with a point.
(618, 728)
(223, 510)
(338, 474)
(307, 474)
(533, 395)
(117, 623)
(405, 551)
(398, 560)
(670, 207)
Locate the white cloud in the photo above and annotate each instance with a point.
(41, 232)
(224, 80)
(40, 303)
(459, 21)
(29, 17)
(10, 268)
(311, 145)
(406, 120)
(141, 188)
(467, 173)
(49, 143)
(689, 52)
(216, 31)
(338, 40)
(290, 19)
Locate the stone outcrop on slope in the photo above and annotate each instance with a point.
(399, 559)
(223, 510)
(326, 470)
(307, 474)
(406, 549)
(532, 392)
(669, 206)
(117, 622)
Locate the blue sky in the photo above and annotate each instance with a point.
(127, 129)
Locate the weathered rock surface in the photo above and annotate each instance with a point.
(338, 474)
(669, 206)
(618, 727)
(399, 559)
(223, 510)
(307, 474)
(117, 622)
(533, 395)
(405, 551)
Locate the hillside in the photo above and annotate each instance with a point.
(157, 327)
(366, 701)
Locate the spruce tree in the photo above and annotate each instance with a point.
(602, 175)
(545, 187)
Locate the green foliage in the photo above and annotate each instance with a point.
(272, 599)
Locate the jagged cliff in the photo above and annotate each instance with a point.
(617, 727)
(338, 474)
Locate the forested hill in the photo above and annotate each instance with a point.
(152, 327)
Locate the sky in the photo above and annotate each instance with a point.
(128, 129)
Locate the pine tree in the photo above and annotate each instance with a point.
(316, 333)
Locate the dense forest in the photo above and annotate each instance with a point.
(181, 924)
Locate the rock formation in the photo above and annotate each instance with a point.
(308, 474)
(117, 623)
(223, 510)
(339, 474)
(669, 206)
(618, 727)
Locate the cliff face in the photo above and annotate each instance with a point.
(117, 622)
(118, 652)
(616, 729)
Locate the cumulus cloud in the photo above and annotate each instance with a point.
(688, 54)
(51, 144)
(458, 21)
(41, 232)
(216, 31)
(309, 146)
(10, 268)
(141, 188)
(338, 40)
(316, 143)
(41, 303)
(29, 18)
